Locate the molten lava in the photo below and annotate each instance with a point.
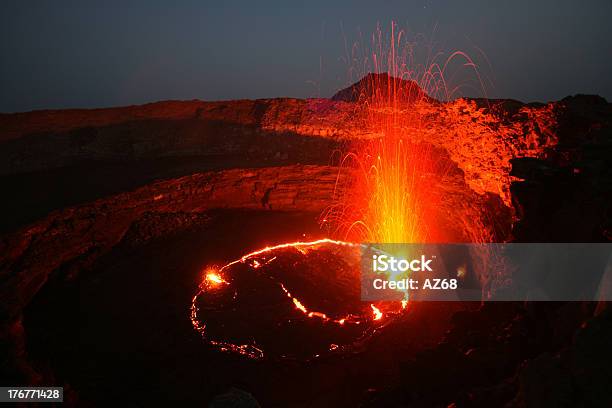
(260, 285)
(393, 197)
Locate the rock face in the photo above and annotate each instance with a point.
(29, 255)
(229, 130)
(566, 195)
(480, 137)
(154, 225)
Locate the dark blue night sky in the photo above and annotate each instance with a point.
(59, 54)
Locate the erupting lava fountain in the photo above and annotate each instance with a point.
(268, 302)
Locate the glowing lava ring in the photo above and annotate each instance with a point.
(296, 300)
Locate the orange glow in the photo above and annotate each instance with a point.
(299, 245)
(213, 278)
(391, 200)
(377, 313)
(320, 315)
(299, 305)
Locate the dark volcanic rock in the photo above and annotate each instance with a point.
(566, 196)
(378, 87)
(590, 361)
(154, 225)
(507, 354)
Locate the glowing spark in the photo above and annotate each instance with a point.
(377, 313)
(318, 314)
(461, 271)
(299, 305)
(213, 278)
